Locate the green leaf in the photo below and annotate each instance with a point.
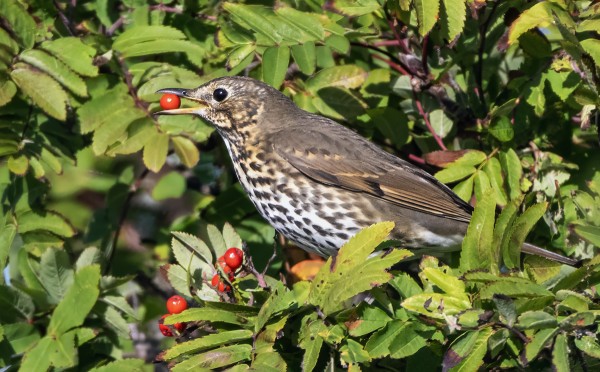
(338, 103)
(206, 342)
(179, 279)
(51, 221)
(476, 250)
(363, 319)
(141, 34)
(42, 89)
(311, 343)
(275, 65)
(454, 13)
(493, 169)
(525, 289)
(502, 232)
(353, 352)
(502, 129)
(392, 123)
(207, 314)
(455, 173)
(353, 267)
(55, 68)
(308, 22)
(232, 239)
(20, 22)
(77, 302)
(441, 123)
(170, 185)
(56, 273)
(16, 305)
(536, 320)
(214, 238)
(467, 353)
(464, 189)
(281, 299)
(8, 232)
(192, 253)
(306, 57)
(239, 55)
(427, 14)
(592, 47)
(436, 305)
(588, 345)
(345, 76)
(155, 151)
(338, 43)
(18, 164)
(7, 91)
(537, 343)
(539, 14)
(120, 304)
(252, 17)
(354, 8)
(588, 232)
(132, 365)
(512, 168)
(161, 46)
(73, 52)
(216, 358)
(519, 231)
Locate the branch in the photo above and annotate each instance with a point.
(393, 65)
(428, 124)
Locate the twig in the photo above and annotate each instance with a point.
(393, 65)
(392, 57)
(428, 124)
(64, 19)
(273, 256)
(249, 265)
(386, 43)
(119, 22)
(132, 91)
(132, 190)
(424, 53)
(166, 9)
(392, 26)
(416, 159)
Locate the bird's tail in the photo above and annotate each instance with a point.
(535, 250)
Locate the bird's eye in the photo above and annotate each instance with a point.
(219, 94)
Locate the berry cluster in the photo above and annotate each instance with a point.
(175, 305)
(229, 263)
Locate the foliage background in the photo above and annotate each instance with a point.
(92, 184)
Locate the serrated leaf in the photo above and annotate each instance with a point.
(502, 231)
(141, 34)
(42, 89)
(73, 52)
(345, 76)
(454, 14)
(592, 47)
(155, 151)
(338, 103)
(356, 8)
(467, 353)
(512, 169)
(115, 321)
(441, 123)
(16, 305)
(51, 161)
(560, 354)
(392, 123)
(588, 345)
(205, 342)
(538, 14)
(55, 68)
(436, 305)
(213, 237)
(21, 23)
(207, 314)
(77, 302)
(196, 245)
(18, 164)
(120, 304)
(161, 46)
(538, 341)
(311, 343)
(464, 189)
(253, 17)
(51, 221)
(305, 57)
(89, 256)
(427, 14)
(307, 22)
(56, 273)
(588, 232)
(7, 92)
(524, 289)
(446, 282)
(502, 129)
(493, 169)
(232, 239)
(352, 268)
(275, 65)
(131, 365)
(280, 299)
(521, 227)
(536, 320)
(239, 54)
(216, 358)
(455, 173)
(8, 233)
(179, 280)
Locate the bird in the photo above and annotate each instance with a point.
(318, 182)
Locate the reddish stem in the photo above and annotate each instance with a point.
(393, 65)
(416, 159)
(428, 124)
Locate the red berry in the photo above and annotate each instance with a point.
(234, 258)
(180, 327)
(164, 329)
(176, 304)
(215, 280)
(223, 287)
(169, 101)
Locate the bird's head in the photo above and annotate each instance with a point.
(232, 104)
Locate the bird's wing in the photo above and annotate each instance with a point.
(339, 157)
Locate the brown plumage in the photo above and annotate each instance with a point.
(316, 181)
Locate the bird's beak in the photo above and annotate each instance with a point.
(184, 93)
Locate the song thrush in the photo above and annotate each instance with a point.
(317, 182)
